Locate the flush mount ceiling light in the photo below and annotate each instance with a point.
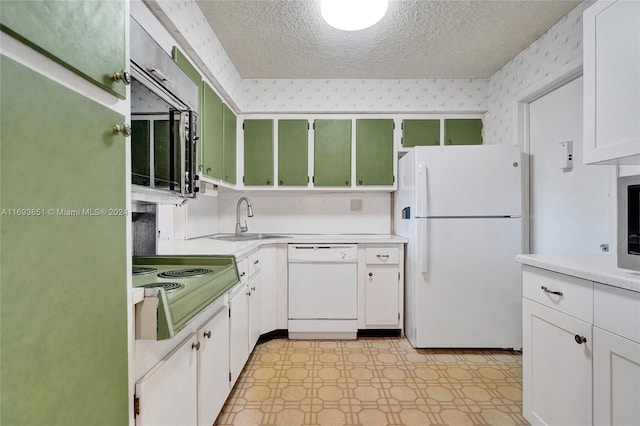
(353, 15)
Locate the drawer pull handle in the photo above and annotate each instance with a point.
(207, 334)
(557, 293)
(256, 262)
(382, 256)
(580, 339)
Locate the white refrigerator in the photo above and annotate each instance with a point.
(460, 207)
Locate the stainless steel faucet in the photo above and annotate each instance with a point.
(239, 228)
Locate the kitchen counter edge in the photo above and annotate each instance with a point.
(601, 268)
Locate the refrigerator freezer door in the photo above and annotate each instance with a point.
(470, 296)
(469, 181)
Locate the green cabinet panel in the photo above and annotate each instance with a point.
(293, 152)
(140, 139)
(420, 132)
(161, 152)
(332, 153)
(374, 152)
(63, 311)
(88, 37)
(229, 150)
(181, 60)
(463, 131)
(211, 133)
(258, 152)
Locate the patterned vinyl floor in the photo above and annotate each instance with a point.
(382, 381)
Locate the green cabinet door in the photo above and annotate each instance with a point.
(374, 152)
(211, 135)
(332, 153)
(63, 310)
(420, 133)
(229, 150)
(258, 152)
(293, 152)
(88, 37)
(463, 131)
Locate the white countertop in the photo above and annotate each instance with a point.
(601, 268)
(240, 249)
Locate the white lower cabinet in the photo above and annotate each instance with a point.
(213, 359)
(581, 351)
(167, 394)
(616, 379)
(255, 311)
(556, 367)
(380, 270)
(238, 332)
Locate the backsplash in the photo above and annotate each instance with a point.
(307, 213)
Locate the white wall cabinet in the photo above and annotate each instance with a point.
(612, 82)
(213, 359)
(167, 394)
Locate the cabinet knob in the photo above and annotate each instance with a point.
(243, 274)
(195, 346)
(360, 182)
(208, 169)
(207, 334)
(123, 129)
(580, 339)
(346, 182)
(281, 181)
(123, 76)
(253, 288)
(370, 274)
(268, 181)
(248, 293)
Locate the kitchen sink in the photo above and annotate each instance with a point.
(245, 237)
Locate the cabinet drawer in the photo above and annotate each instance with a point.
(243, 270)
(254, 263)
(574, 295)
(378, 255)
(617, 310)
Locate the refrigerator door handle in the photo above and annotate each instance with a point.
(421, 190)
(423, 241)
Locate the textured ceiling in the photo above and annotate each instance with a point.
(277, 39)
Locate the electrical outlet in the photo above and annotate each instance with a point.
(356, 205)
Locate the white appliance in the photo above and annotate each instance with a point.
(460, 207)
(323, 291)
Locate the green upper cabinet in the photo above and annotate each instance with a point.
(63, 310)
(211, 140)
(374, 152)
(463, 131)
(88, 37)
(229, 145)
(293, 152)
(420, 132)
(181, 60)
(258, 152)
(332, 153)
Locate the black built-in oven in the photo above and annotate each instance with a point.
(164, 121)
(629, 222)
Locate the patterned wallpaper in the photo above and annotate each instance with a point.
(560, 45)
(185, 21)
(353, 95)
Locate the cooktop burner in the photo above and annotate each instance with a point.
(185, 273)
(139, 270)
(168, 287)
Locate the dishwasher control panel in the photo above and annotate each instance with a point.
(323, 253)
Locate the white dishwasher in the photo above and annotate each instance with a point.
(323, 291)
